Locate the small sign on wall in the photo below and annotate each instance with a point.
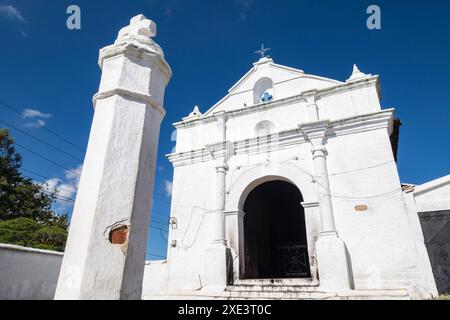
(361, 207)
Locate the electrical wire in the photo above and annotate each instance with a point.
(11, 108)
(47, 159)
(41, 141)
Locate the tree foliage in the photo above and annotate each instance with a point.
(29, 233)
(26, 216)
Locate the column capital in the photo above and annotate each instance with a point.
(220, 115)
(311, 106)
(319, 150)
(315, 131)
(310, 95)
(221, 167)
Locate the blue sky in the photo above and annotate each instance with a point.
(50, 73)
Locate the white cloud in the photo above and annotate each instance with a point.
(32, 113)
(168, 187)
(65, 189)
(12, 13)
(38, 118)
(74, 175)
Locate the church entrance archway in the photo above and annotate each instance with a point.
(275, 243)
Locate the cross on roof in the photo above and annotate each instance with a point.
(262, 51)
(139, 25)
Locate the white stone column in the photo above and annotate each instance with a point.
(105, 251)
(216, 255)
(332, 255)
(219, 214)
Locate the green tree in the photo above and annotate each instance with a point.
(25, 206)
(29, 233)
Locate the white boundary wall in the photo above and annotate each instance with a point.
(28, 274)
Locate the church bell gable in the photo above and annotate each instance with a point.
(268, 81)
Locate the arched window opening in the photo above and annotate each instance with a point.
(263, 91)
(264, 128)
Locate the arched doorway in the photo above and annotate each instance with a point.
(275, 242)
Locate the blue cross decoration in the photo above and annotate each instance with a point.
(266, 97)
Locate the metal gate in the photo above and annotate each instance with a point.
(293, 261)
(436, 231)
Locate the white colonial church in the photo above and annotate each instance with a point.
(287, 188)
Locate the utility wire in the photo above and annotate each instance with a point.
(41, 141)
(59, 197)
(45, 128)
(155, 255)
(66, 187)
(156, 228)
(45, 158)
(60, 187)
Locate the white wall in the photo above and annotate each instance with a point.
(155, 278)
(28, 274)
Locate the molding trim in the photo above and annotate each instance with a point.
(129, 94)
(307, 205)
(429, 186)
(239, 213)
(284, 139)
(208, 117)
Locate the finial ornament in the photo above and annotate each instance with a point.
(194, 114)
(357, 74)
(262, 51)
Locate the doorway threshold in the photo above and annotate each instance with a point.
(307, 282)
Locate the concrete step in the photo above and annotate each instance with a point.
(272, 288)
(394, 294)
(281, 295)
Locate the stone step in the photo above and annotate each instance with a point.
(280, 295)
(394, 294)
(272, 288)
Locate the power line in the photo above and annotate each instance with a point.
(69, 188)
(58, 197)
(159, 197)
(47, 159)
(38, 124)
(160, 221)
(156, 228)
(162, 236)
(155, 255)
(59, 187)
(41, 141)
(46, 178)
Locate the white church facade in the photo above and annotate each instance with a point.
(287, 188)
(304, 171)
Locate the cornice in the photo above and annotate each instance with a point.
(287, 138)
(139, 50)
